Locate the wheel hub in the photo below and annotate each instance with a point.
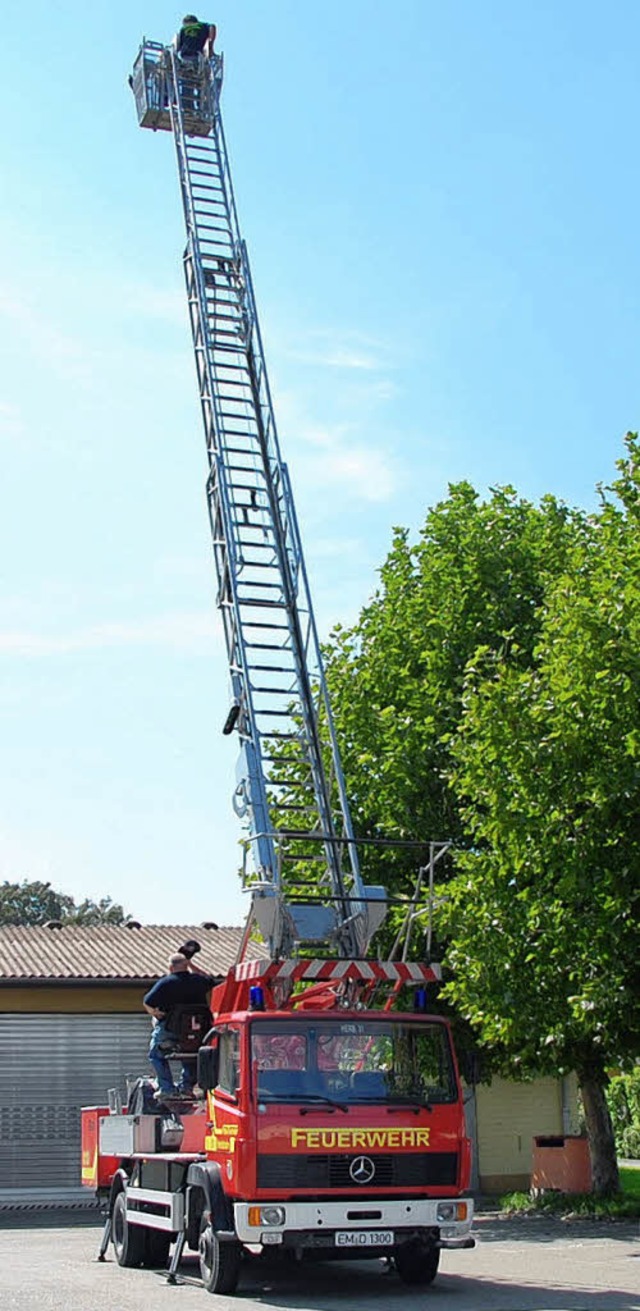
(204, 1250)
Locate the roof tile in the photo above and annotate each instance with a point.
(108, 951)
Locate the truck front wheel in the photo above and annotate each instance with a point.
(219, 1262)
(129, 1241)
(417, 1263)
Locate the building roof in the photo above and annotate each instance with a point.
(108, 953)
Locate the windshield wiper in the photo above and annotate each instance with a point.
(409, 1105)
(405, 1100)
(292, 1099)
(396, 1102)
(320, 1097)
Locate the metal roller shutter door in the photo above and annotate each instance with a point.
(50, 1066)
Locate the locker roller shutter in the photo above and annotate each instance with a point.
(50, 1066)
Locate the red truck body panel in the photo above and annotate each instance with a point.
(97, 1171)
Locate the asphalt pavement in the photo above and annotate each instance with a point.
(532, 1264)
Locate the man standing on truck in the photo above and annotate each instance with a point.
(184, 985)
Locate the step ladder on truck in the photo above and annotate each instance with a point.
(329, 1125)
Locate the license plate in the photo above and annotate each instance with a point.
(364, 1238)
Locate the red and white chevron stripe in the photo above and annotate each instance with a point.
(370, 971)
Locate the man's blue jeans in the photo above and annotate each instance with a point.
(163, 1040)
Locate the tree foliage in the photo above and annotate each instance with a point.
(476, 579)
(623, 1096)
(490, 693)
(36, 903)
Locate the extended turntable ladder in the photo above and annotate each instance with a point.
(304, 877)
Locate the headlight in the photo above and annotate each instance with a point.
(266, 1215)
(448, 1211)
(272, 1215)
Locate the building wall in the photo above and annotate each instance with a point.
(509, 1116)
(76, 999)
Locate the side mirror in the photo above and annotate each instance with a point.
(472, 1067)
(208, 1062)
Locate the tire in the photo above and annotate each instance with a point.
(417, 1263)
(219, 1262)
(129, 1241)
(157, 1244)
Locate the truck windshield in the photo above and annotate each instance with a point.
(353, 1061)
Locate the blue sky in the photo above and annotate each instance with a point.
(440, 203)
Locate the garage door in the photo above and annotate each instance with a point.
(50, 1066)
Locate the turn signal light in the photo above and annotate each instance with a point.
(266, 1215)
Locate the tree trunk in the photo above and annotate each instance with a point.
(602, 1148)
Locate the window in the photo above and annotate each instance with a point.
(353, 1061)
(229, 1061)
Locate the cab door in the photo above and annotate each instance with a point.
(223, 1101)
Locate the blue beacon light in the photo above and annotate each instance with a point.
(256, 998)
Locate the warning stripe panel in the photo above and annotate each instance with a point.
(319, 970)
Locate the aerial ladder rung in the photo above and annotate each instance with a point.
(247, 487)
(258, 582)
(244, 468)
(269, 669)
(250, 546)
(281, 737)
(295, 780)
(265, 646)
(210, 227)
(236, 383)
(245, 565)
(237, 368)
(258, 603)
(265, 627)
(240, 432)
(273, 714)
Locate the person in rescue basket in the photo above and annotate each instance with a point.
(184, 985)
(193, 37)
(193, 40)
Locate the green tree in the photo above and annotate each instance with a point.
(543, 911)
(36, 903)
(623, 1098)
(489, 694)
(476, 577)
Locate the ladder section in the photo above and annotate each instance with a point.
(305, 880)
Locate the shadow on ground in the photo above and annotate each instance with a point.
(67, 1217)
(338, 1287)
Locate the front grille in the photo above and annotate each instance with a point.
(406, 1170)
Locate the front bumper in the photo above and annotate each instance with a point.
(315, 1224)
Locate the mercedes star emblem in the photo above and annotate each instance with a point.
(362, 1169)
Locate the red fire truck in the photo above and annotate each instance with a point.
(329, 1130)
(328, 1123)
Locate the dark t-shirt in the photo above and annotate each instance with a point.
(181, 989)
(192, 38)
